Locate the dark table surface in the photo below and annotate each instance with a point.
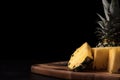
(17, 69)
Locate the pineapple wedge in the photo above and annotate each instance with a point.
(81, 58)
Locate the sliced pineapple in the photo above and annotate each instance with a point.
(114, 60)
(81, 58)
(101, 55)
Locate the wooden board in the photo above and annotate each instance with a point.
(60, 70)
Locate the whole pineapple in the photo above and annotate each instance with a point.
(109, 29)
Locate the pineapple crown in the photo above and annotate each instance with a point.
(110, 25)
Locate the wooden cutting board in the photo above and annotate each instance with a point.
(60, 70)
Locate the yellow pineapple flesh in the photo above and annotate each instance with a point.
(114, 60)
(101, 55)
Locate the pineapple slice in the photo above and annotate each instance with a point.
(81, 58)
(114, 60)
(101, 55)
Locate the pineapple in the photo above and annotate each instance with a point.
(114, 60)
(108, 31)
(81, 59)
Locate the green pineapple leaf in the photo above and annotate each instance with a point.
(114, 8)
(103, 19)
(101, 24)
(106, 8)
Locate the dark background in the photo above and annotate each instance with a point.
(62, 27)
(46, 31)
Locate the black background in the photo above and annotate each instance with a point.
(37, 32)
(61, 27)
